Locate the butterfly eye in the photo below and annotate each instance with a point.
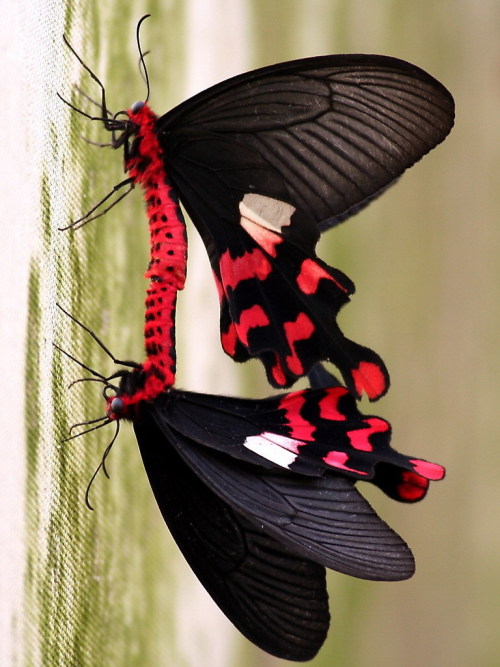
(136, 106)
(116, 406)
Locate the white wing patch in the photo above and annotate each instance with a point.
(276, 448)
(267, 212)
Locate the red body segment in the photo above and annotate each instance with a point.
(168, 254)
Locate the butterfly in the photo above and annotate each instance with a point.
(260, 496)
(263, 163)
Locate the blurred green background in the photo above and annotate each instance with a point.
(108, 587)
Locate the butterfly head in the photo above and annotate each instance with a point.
(122, 400)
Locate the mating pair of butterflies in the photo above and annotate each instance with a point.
(260, 494)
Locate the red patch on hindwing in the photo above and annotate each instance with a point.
(297, 330)
(278, 374)
(412, 487)
(300, 428)
(252, 264)
(329, 405)
(310, 275)
(338, 460)
(427, 469)
(265, 238)
(360, 437)
(229, 339)
(369, 378)
(251, 318)
(300, 329)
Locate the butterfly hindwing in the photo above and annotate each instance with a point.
(312, 432)
(324, 519)
(276, 598)
(279, 302)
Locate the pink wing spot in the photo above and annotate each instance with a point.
(266, 239)
(253, 264)
(229, 340)
(360, 438)
(428, 470)
(310, 275)
(369, 379)
(292, 404)
(413, 487)
(251, 318)
(301, 329)
(338, 459)
(328, 406)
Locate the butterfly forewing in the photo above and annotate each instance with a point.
(276, 598)
(322, 134)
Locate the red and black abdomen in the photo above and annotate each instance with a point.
(168, 252)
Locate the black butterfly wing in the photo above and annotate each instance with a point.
(325, 134)
(277, 599)
(323, 519)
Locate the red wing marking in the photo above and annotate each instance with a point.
(310, 275)
(300, 329)
(360, 438)
(300, 428)
(266, 239)
(229, 340)
(338, 459)
(369, 379)
(412, 486)
(250, 318)
(278, 373)
(427, 469)
(252, 264)
(328, 406)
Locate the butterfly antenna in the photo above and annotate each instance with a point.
(105, 112)
(102, 465)
(142, 62)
